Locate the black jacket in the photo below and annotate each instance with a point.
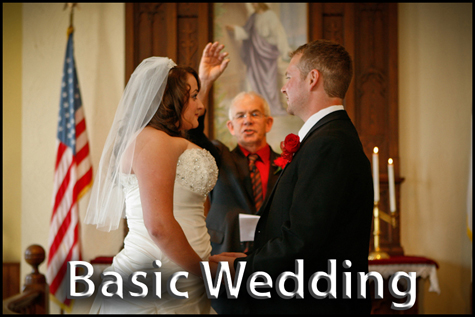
(320, 210)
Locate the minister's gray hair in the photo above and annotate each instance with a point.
(253, 95)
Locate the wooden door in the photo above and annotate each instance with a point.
(369, 32)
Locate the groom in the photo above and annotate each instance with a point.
(321, 207)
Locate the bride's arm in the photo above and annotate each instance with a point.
(155, 161)
(212, 64)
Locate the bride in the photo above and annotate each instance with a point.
(152, 175)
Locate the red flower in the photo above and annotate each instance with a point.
(291, 143)
(289, 146)
(280, 162)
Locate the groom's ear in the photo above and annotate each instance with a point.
(313, 77)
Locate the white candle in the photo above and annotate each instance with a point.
(376, 174)
(392, 191)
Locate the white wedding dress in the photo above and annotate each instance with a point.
(196, 175)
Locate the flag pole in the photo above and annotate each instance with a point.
(71, 7)
(73, 168)
(68, 32)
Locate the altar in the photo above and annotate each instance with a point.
(423, 267)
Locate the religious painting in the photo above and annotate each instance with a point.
(258, 38)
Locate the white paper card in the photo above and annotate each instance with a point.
(247, 226)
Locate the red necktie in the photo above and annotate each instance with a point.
(256, 181)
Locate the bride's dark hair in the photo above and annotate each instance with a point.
(177, 93)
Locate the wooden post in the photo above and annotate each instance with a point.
(35, 281)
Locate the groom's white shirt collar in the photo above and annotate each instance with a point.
(315, 118)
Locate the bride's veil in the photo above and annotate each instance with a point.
(141, 99)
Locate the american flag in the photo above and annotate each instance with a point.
(72, 179)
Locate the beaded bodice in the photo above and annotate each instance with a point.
(196, 169)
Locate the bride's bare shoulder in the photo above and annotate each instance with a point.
(154, 139)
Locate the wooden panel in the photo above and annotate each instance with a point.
(11, 279)
(151, 30)
(188, 35)
(205, 35)
(376, 100)
(315, 21)
(369, 33)
(349, 44)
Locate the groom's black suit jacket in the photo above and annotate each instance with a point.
(320, 209)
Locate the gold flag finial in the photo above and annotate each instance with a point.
(71, 7)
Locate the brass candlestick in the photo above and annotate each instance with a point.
(377, 254)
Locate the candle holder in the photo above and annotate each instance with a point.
(377, 254)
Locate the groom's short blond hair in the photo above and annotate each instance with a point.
(331, 60)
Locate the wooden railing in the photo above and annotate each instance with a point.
(34, 299)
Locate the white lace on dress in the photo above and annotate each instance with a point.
(197, 170)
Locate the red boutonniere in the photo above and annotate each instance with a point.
(289, 146)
